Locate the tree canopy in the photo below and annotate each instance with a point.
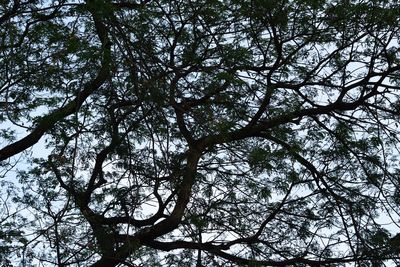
(199, 133)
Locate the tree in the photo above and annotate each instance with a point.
(207, 133)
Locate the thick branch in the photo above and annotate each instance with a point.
(48, 121)
(214, 249)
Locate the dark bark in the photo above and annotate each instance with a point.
(106, 262)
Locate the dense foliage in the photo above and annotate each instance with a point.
(199, 132)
